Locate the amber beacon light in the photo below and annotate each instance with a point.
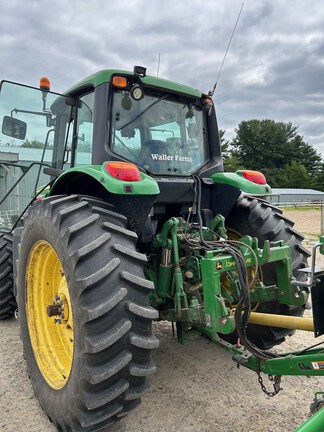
(44, 84)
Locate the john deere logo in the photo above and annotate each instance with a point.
(219, 265)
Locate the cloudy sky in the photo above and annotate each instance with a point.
(274, 68)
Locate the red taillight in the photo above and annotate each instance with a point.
(254, 176)
(123, 171)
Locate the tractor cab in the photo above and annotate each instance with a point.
(163, 128)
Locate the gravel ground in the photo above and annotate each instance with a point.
(197, 387)
(306, 221)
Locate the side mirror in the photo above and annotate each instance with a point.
(14, 128)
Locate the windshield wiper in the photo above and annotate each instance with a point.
(144, 111)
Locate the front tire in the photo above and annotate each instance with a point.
(257, 218)
(78, 263)
(7, 299)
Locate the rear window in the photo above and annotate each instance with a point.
(163, 135)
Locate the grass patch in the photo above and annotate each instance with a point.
(299, 208)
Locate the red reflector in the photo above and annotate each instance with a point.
(123, 171)
(254, 176)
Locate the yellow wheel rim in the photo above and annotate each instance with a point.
(49, 315)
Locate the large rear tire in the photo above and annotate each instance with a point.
(89, 361)
(7, 299)
(257, 218)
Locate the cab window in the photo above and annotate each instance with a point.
(162, 134)
(84, 130)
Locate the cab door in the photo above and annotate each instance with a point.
(35, 130)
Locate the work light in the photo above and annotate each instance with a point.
(137, 92)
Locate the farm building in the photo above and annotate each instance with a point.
(283, 196)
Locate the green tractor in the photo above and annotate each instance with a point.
(115, 211)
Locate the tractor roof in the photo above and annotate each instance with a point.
(105, 76)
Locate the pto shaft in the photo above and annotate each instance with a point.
(283, 321)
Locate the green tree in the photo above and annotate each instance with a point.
(32, 144)
(317, 179)
(276, 177)
(35, 144)
(230, 162)
(270, 147)
(305, 154)
(297, 176)
(225, 144)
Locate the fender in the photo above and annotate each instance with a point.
(98, 177)
(133, 199)
(246, 181)
(227, 187)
